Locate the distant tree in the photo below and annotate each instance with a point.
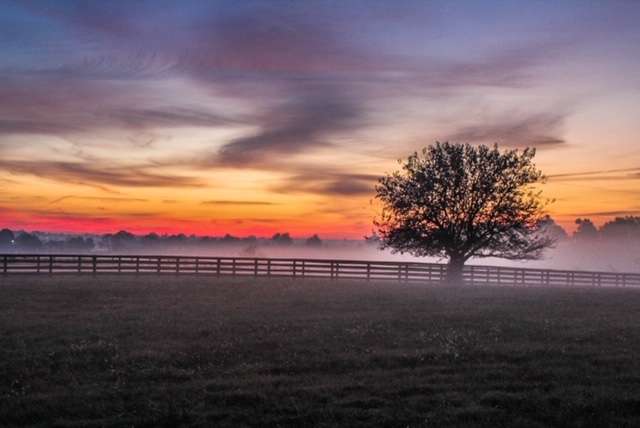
(229, 239)
(78, 243)
(552, 229)
(461, 201)
(178, 240)
(314, 241)
(7, 239)
(28, 242)
(621, 228)
(206, 241)
(586, 230)
(122, 240)
(150, 240)
(282, 239)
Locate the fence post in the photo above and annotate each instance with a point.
(303, 265)
(269, 268)
(294, 268)
(177, 264)
(255, 267)
(368, 271)
(159, 261)
(218, 267)
(50, 264)
(4, 263)
(624, 279)
(37, 263)
(79, 263)
(137, 264)
(94, 261)
(119, 264)
(233, 266)
(331, 269)
(197, 264)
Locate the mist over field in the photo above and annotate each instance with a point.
(608, 254)
(608, 257)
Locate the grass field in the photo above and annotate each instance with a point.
(193, 351)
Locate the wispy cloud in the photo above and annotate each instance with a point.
(532, 130)
(97, 199)
(318, 83)
(229, 202)
(85, 173)
(606, 213)
(307, 122)
(70, 106)
(595, 176)
(328, 182)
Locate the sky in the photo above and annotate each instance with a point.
(256, 117)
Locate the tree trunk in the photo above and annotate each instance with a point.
(454, 272)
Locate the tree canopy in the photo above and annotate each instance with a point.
(459, 201)
(622, 228)
(7, 238)
(585, 229)
(314, 241)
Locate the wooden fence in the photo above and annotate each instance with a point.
(431, 273)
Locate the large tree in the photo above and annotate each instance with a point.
(460, 201)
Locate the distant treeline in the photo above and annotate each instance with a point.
(125, 241)
(621, 228)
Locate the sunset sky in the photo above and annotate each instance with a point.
(254, 117)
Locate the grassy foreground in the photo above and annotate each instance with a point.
(186, 351)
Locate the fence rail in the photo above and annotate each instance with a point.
(432, 273)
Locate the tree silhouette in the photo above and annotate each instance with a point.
(228, 239)
(459, 201)
(122, 240)
(552, 229)
(282, 239)
(314, 241)
(586, 230)
(621, 228)
(78, 243)
(7, 239)
(150, 241)
(28, 242)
